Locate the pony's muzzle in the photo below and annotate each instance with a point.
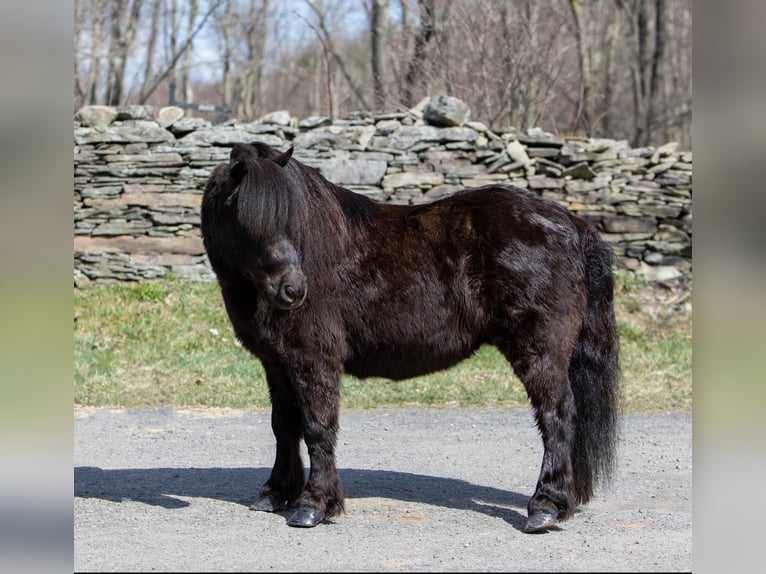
(292, 291)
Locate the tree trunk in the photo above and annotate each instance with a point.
(99, 12)
(150, 48)
(642, 111)
(178, 51)
(531, 89)
(256, 42)
(656, 105)
(613, 31)
(115, 55)
(79, 91)
(329, 45)
(424, 35)
(124, 21)
(185, 68)
(227, 56)
(378, 35)
(175, 75)
(584, 114)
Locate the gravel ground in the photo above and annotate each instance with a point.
(426, 490)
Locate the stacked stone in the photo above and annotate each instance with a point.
(139, 177)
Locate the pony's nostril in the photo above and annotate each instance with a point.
(287, 293)
(290, 293)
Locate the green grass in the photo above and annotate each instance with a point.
(169, 342)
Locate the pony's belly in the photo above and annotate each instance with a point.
(398, 364)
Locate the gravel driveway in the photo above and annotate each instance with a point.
(426, 490)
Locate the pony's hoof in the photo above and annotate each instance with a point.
(540, 521)
(306, 517)
(268, 503)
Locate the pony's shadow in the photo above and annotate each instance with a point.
(163, 487)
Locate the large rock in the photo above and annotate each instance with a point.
(135, 112)
(617, 224)
(141, 244)
(446, 111)
(659, 273)
(334, 137)
(517, 152)
(341, 169)
(280, 118)
(96, 116)
(412, 179)
(407, 137)
(190, 200)
(228, 136)
(138, 131)
(186, 124)
(167, 116)
(312, 122)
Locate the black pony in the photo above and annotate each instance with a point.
(318, 281)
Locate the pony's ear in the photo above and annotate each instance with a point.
(237, 172)
(239, 152)
(283, 158)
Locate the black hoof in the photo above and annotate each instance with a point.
(540, 522)
(269, 503)
(306, 517)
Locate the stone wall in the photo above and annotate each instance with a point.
(139, 174)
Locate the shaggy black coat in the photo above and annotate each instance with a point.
(318, 281)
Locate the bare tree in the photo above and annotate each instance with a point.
(656, 81)
(647, 25)
(423, 36)
(154, 24)
(185, 62)
(678, 82)
(124, 15)
(610, 61)
(328, 43)
(177, 51)
(378, 34)
(584, 112)
(182, 16)
(227, 58)
(255, 28)
(79, 90)
(91, 39)
(529, 64)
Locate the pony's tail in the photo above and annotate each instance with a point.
(594, 372)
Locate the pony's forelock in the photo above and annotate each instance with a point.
(268, 201)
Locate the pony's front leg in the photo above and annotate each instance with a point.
(285, 484)
(319, 397)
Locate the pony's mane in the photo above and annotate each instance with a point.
(268, 202)
(274, 186)
(356, 208)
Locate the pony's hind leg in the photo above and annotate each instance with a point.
(287, 478)
(543, 369)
